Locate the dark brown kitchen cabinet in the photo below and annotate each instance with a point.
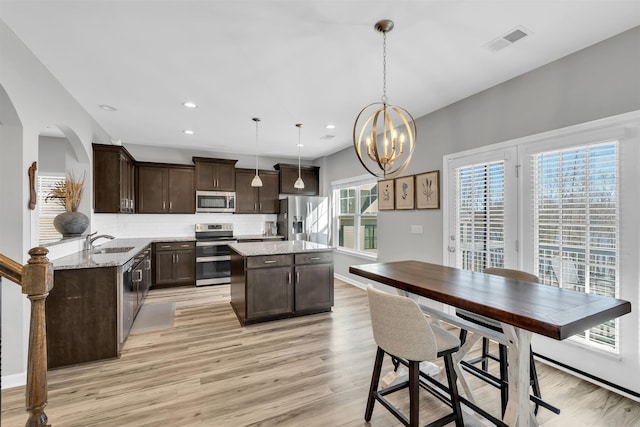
(82, 316)
(289, 174)
(313, 281)
(269, 287)
(164, 188)
(113, 179)
(254, 200)
(215, 174)
(175, 263)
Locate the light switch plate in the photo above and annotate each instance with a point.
(416, 229)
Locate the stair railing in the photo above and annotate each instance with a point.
(36, 280)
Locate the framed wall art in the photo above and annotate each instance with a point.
(428, 190)
(385, 195)
(405, 192)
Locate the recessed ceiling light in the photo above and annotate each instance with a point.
(330, 126)
(107, 107)
(299, 145)
(188, 131)
(190, 104)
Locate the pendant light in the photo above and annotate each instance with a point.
(385, 129)
(299, 184)
(256, 181)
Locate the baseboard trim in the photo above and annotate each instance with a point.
(14, 380)
(630, 394)
(350, 281)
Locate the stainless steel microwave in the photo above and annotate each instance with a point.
(215, 201)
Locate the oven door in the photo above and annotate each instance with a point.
(213, 262)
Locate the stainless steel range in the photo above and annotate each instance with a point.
(213, 256)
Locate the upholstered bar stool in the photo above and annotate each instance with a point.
(401, 331)
(502, 349)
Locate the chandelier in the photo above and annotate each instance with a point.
(384, 134)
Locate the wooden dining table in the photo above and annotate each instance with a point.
(523, 308)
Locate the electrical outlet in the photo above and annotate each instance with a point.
(416, 229)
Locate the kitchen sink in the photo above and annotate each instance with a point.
(116, 250)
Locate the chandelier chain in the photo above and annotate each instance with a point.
(384, 67)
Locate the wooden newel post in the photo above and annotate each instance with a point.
(37, 281)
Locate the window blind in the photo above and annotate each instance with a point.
(576, 224)
(47, 210)
(480, 215)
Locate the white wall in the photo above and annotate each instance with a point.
(39, 101)
(597, 82)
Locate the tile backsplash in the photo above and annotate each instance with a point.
(167, 225)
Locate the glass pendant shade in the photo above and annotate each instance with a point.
(299, 184)
(384, 135)
(256, 181)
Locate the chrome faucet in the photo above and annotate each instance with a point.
(88, 241)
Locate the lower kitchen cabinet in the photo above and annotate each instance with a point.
(268, 287)
(82, 316)
(175, 264)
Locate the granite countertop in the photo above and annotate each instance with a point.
(259, 236)
(278, 247)
(89, 259)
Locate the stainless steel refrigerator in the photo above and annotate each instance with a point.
(305, 218)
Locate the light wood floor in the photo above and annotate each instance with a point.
(308, 371)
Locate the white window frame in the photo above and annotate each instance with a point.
(616, 367)
(349, 183)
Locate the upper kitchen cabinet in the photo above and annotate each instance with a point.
(253, 200)
(113, 179)
(215, 174)
(165, 188)
(289, 174)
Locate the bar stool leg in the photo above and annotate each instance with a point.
(504, 377)
(485, 354)
(414, 398)
(375, 378)
(453, 388)
(534, 381)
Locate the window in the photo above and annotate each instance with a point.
(480, 215)
(47, 210)
(575, 203)
(356, 216)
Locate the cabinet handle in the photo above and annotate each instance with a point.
(170, 206)
(131, 204)
(297, 277)
(148, 264)
(186, 245)
(314, 258)
(177, 257)
(139, 278)
(165, 246)
(270, 261)
(289, 277)
(260, 206)
(163, 204)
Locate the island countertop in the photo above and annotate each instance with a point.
(278, 247)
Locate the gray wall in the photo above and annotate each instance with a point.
(600, 81)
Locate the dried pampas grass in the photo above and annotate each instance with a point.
(68, 192)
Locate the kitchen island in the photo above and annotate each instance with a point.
(275, 280)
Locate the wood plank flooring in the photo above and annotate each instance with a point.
(308, 371)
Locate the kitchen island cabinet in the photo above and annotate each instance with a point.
(278, 279)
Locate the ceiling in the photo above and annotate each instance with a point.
(306, 61)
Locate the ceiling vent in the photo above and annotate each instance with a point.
(507, 39)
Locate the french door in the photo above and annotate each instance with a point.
(562, 205)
